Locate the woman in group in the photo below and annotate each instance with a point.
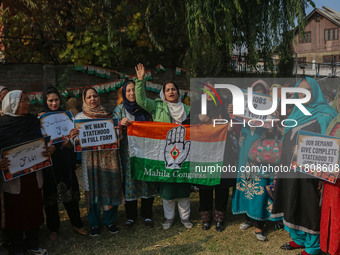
(60, 180)
(330, 210)
(101, 172)
(22, 197)
(168, 108)
(128, 110)
(206, 193)
(249, 195)
(297, 197)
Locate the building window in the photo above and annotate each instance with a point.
(306, 38)
(331, 34)
(302, 60)
(327, 59)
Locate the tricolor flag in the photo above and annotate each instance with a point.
(166, 152)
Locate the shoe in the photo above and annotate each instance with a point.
(220, 226)
(112, 229)
(246, 225)
(168, 224)
(187, 224)
(94, 231)
(288, 246)
(260, 236)
(219, 219)
(53, 236)
(38, 251)
(206, 219)
(148, 223)
(80, 231)
(129, 223)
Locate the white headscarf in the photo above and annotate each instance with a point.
(11, 102)
(2, 88)
(176, 110)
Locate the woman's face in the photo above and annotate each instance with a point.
(92, 98)
(305, 85)
(171, 93)
(53, 101)
(130, 92)
(208, 96)
(3, 94)
(24, 105)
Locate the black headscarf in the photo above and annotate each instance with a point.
(50, 90)
(18, 129)
(132, 107)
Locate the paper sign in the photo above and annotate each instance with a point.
(317, 155)
(57, 125)
(260, 102)
(25, 158)
(96, 134)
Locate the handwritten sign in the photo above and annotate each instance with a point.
(57, 125)
(25, 158)
(260, 102)
(96, 134)
(317, 155)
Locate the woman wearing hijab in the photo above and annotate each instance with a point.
(101, 172)
(296, 196)
(250, 190)
(22, 197)
(126, 112)
(206, 193)
(330, 210)
(60, 180)
(170, 109)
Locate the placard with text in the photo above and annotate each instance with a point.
(96, 134)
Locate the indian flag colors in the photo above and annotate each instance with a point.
(166, 152)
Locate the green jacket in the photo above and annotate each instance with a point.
(157, 108)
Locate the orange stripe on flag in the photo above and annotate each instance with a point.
(159, 130)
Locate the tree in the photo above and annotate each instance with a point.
(201, 35)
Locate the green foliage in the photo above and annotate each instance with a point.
(201, 35)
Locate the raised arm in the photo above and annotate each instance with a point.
(146, 103)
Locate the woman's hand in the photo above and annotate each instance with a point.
(140, 71)
(74, 132)
(39, 114)
(230, 109)
(125, 122)
(49, 150)
(4, 163)
(203, 118)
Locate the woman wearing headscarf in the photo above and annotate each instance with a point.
(206, 193)
(170, 109)
(101, 172)
(250, 191)
(60, 180)
(128, 110)
(330, 210)
(22, 197)
(296, 196)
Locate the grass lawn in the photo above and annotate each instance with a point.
(177, 240)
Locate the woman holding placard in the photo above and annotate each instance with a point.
(22, 197)
(330, 211)
(297, 197)
(168, 108)
(249, 196)
(128, 110)
(101, 172)
(60, 180)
